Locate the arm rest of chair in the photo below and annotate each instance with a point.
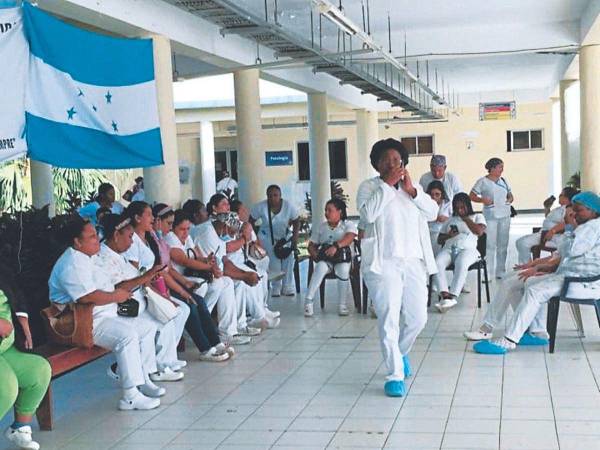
(569, 280)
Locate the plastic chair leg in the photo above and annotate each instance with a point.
(576, 310)
(487, 284)
(552, 320)
(479, 286)
(322, 293)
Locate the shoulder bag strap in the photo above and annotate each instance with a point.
(271, 225)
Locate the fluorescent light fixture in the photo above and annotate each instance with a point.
(336, 16)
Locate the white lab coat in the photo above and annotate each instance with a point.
(131, 339)
(396, 259)
(445, 209)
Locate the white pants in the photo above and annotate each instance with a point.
(525, 243)
(510, 293)
(220, 293)
(400, 299)
(169, 335)
(322, 268)
(277, 265)
(251, 299)
(131, 339)
(463, 259)
(497, 231)
(434, 242)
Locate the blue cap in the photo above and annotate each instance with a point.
(438, 160)
(589, 200)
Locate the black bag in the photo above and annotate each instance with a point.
(247, 262)
(129, 308)
(513, 211)
(280, 248)
(342, 255)
(204, 274)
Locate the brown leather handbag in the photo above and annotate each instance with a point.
(72, 326)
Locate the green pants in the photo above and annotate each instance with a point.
(24, 379)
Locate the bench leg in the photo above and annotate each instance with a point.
(44, 411)
(552, 320)
(322, 293)
(365, 297)
(297, 276)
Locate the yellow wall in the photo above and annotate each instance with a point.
(528, 172)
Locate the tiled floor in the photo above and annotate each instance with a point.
(317, 383)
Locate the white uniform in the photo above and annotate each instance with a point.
(497, 216)
(445, 209)
(219, 292)
(396, 259)
(227, 183)
(249, 298)
(118, 268)
(524, 243)
(131, 339)
(450, 181)
(580, 257)
(281, 223)
(460, 250)
(324, 234)
(89, 211)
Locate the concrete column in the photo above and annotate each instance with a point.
(589, 67)
(249, 135)
(569, 128)
(207, 161)
(161, 183)
(320, 183)
(42, 186)
(555, 164)
(367, 133)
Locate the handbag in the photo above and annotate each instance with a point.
(129, 308)
(513, 211)
(342, 255)
(255, 251)
(280, 248)
(72, 326)
(189, 272)
(159, 307)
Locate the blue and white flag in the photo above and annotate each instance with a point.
(91, 99)
(14, 55)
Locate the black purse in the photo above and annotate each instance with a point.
(281, 248)
(129, 308)
(342, 255)
(189, 272)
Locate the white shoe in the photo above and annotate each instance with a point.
(273, 322)
(343, 310)
(249, 331)
(138, 401)
(167, 374)
(372, 311)
(446, 304)
(288, 292)
(151, 390)
(178, 365)
(276, 293)
(239, 339)
(214, 355)
(477, 335)
(228, 348)
(309, 310)
(21, 437)
(273, 314)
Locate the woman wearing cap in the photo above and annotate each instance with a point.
(495, 194)
(396, 256)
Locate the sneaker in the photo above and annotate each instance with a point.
(21, 437)
(239, 339)
(477, 335)
(395, 388)
(167, 374)
(249, 331)
(214, 355)
(309, 310)
(151, 390)
(112, 372)
(276, 293)
(372, 311)
(273, 314)
(139, 401)
(178, 365)
(228, 348)
(494, 347)
(343, 310)
(288, 292)
(273, 322)
(446, 304)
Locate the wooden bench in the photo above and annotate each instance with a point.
(62, 360)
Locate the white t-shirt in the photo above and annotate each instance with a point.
(324, 234)
(450, 181)
(497, 191)
(227, 183)
(445, 210)
(173, 241)
(281, 220)
(76, 275)
(208, 241)
(139, 196)
(556, 216)
(140, 253)
(466, 239)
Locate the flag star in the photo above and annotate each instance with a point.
(108, 97)
(114, 126)
(94, 108)
(81, 94)
(71, 112)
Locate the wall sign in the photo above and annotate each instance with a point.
(497, 111)
(283, 158)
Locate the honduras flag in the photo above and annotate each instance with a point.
(91, 100)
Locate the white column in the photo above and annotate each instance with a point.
(207, 161)
(555, 165)
(42, 186)
(320, 183)
(367, 133)
(249, 135)
(161, 183)
(569, 128)
(589, 68)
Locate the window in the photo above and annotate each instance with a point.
(338, 165)
(418, 145)
(523, 140)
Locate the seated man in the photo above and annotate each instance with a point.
(552, 227)
(579, 257)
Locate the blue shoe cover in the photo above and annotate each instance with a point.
(407, 368)
(395, 388)
(531, 339)
(488, 348)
